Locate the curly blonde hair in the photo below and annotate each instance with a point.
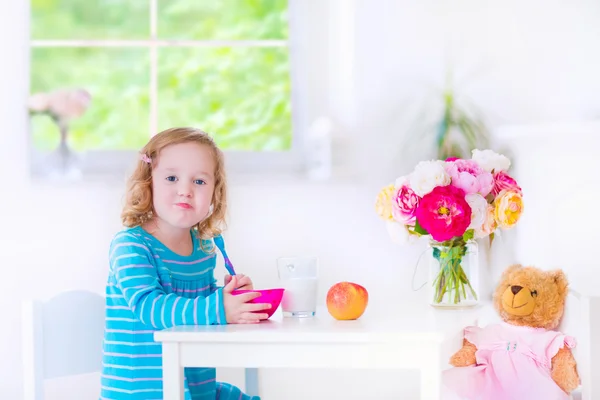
(138, 207)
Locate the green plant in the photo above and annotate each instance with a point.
(459, 131)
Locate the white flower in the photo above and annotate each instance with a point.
(479, 210)
(489, 225)
(491, 161)
(427, 175)
(402, 181)
(398, 232)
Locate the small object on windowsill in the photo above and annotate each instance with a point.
(62, 106)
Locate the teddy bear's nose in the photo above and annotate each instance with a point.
(516, 289)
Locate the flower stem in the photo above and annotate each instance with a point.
(451, 278)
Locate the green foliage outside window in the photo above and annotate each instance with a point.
(241, 95)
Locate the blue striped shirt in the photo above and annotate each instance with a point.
(151, 288)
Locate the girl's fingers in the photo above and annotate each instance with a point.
(248, 320)
(255, 315)
(230, 286)
(243, 281)
(252, 318)
(246, 297)
(256, 306)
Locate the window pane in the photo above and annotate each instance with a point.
(241, 95)
(222, 20)
(85, 19)
(118, 81)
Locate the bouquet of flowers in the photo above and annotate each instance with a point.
(453, 202)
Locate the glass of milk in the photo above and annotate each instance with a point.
(298, 276)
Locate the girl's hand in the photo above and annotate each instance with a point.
(244, 282)
(238, 310)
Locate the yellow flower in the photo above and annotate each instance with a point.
(383, 205)
(509, 206)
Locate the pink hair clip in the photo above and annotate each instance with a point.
(145, 158)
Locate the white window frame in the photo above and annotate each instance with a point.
(115, 162)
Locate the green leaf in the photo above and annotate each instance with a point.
(419, 229)
(469, 234)
(436, 253)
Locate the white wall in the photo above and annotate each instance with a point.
(535, 62)
(559, 227)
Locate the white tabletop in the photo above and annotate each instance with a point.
(377, 324)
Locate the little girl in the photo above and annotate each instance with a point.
(161, 268)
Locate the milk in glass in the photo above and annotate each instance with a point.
(298, 276)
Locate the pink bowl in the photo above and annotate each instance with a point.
(271, 296)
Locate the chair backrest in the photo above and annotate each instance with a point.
(61, 337)
(573, 324)
(582, 321)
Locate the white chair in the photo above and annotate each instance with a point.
(573, 324)
(61, 337)
(582, 320)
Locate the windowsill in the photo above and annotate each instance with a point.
(240, 179)
(113, 169)
(288, 178)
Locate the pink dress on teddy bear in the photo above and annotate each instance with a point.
(512, 362)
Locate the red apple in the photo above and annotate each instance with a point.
(347, 300)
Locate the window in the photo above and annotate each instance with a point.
(222, 66)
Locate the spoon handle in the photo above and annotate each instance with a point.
(221, 245)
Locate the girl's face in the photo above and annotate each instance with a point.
(183, 183)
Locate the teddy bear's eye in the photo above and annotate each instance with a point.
(534, 293)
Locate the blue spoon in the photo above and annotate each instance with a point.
(221, 245)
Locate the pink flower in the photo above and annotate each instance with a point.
(404, 202)
(452, 159)
(39, 102)
(64, 104)
(444, 213)
(503, 181)
(470, 177)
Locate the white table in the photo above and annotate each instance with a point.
(399, 337)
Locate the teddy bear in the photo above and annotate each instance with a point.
(522, 356)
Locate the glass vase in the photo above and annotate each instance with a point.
(63, 163)
(454, 274)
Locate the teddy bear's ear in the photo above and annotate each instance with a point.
(559, 277)
(510, 269)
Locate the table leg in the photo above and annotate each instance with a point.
(251, 381)
(172, 372)
(431, 377)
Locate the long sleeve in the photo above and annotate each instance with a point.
(214, 287)
(136, 277)
(210, 246)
